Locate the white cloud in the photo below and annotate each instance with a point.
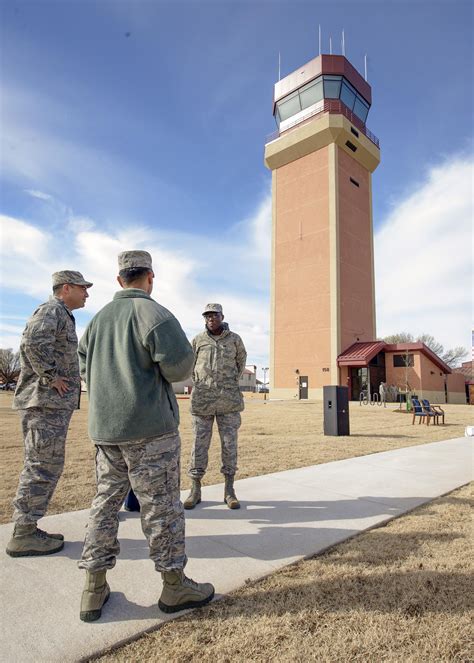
(422, 255)
(423, 258)
(190, 270)
(257, 229)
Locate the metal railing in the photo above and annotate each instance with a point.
(334, 106)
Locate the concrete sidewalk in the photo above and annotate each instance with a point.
(284, 516)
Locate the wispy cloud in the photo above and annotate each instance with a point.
(423, 258)
(47, 150)
(38, 194)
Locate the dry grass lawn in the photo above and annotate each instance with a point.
(399, 593)
(275, 435)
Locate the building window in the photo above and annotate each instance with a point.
(401, 361)
(312, 93)
(361, 109)
(348, 95)
(354, 182)
(332, 86)
(289, 106)
(322, 87)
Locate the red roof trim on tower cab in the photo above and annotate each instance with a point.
(329, 65)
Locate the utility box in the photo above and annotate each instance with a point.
(336, 410)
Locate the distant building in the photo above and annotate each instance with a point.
(466, 370)
(404, 366)
(248, 380)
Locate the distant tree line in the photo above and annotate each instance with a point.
(451, 357)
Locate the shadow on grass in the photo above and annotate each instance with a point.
(410, 594)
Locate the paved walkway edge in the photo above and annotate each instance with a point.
(285, 517)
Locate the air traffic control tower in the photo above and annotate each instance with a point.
(322, 287)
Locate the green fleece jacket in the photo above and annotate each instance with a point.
(129, 355)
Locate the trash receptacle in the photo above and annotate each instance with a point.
(336, 410)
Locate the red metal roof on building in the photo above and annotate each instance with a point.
(467, 370)
(359, 354)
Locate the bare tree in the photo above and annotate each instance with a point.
(402, 337)
(432, 343)
(454, 356)
(9, 365)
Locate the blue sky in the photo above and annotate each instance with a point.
(131, 124)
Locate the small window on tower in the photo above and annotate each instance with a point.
(351, 146)
(354, 182)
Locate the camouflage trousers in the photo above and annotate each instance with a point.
(44, 435)
(228, 426)
(152, 468)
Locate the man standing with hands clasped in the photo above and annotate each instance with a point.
(219, 362)
(46, 395)
(131, 352)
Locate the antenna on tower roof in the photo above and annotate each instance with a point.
(320, 39)
(330, 45)
(365, 66)
(343, 43)
(279, 65)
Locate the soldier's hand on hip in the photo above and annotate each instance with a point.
(60, 384)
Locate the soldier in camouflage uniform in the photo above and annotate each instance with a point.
(130, 353)
(47, 393)
(219, 361)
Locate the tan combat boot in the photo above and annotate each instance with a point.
(180, 593)
(96, 593)
(230, 497)
(194, 496)
(29, 541)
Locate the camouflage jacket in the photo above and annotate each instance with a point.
(48, 349)
(219, 361)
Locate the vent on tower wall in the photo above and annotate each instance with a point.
(351, 146)
(355, 132)
(354, 182)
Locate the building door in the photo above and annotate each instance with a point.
(303, 395)
(359, 382)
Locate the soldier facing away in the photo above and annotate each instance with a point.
(131, 352)
(47, 393)
(219, 362)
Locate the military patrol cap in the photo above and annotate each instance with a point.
(69, 277)
(134, 260)
(213, 308)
